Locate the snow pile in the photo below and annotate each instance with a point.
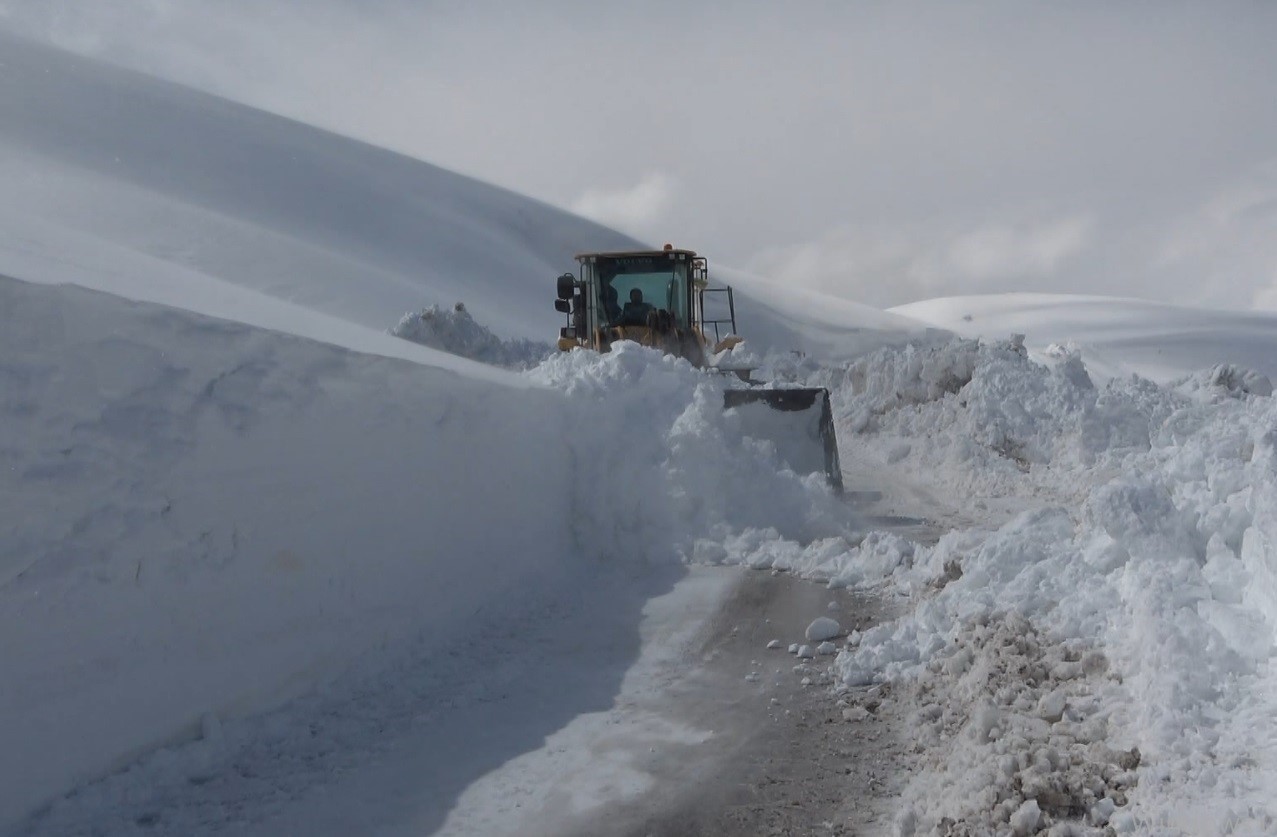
(1147, 608)
(1102, 659)
(455, 331)
(986, 418)
(1002, 724)
(651, 426)
(1011, 723)
(1224, 380)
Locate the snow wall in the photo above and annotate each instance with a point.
(205, 519)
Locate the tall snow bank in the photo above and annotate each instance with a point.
(204, 518)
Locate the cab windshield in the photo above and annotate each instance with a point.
(630, 287)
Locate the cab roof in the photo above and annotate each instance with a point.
(621, 254)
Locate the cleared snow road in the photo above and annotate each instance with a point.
(782, 758)
(565, 720)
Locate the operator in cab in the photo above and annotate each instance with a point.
(636, 310)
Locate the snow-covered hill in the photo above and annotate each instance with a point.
(119, 181)
(128, 184)
(1115, 336)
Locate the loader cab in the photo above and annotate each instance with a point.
(655, 297)
(662, 280)
(617, 290)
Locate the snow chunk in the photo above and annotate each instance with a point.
(1051, 706)
(456, 332)
(1025, 820)
(1226, 381)
(823, 628)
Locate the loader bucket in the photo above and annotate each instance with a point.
(798, 421)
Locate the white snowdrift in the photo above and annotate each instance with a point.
(204, 518)
(1106, 655)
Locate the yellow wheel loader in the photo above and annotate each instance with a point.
(658, 298)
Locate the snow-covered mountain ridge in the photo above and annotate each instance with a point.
(124, 183)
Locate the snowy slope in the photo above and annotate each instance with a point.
(124, 183)
(106, 163)
(775, 317)
(1115, 336)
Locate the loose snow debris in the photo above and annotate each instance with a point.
(823, 628)
(1025, 820)
(984, 419)
(826, 648)
(805, 652)
(1225, 381)
(775, 643)
(455, 331)
(794, 648)
(992, 760)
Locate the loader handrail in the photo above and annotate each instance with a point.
(706, 322)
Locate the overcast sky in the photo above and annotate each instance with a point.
(886, 152)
